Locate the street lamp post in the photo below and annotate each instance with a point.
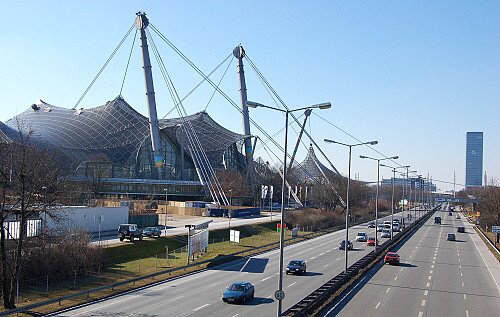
(282, 222)
(346, 244)
(392, 205)
(376, 197)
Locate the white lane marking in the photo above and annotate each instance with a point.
(176, 298)
(377, 305)
(467, 313)
(426, 292)
(460, 266)
(396, 278)
(203, 306)
(458, 260)
(430, 272)
(388, 290)
(463, 284)
(459, 254)
(461, 274)
(465, 297)
(314, 256)
(423, 302)
(401, 270)
(292, 284)
(432, 266)
(266, 278)
(328, 251)
(435, 258)
(430, 277)
(215, 284)
(433, 262)
(420, 314)
(322, 254)
(411, 251)
(236, 315)
(339, 259)
(326, 265)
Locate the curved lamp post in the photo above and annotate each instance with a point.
(251, 104)
(348, 190)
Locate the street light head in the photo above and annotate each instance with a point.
(363, 157)
(252, 104)
(324, 105)
(394, 157)
(373, 142)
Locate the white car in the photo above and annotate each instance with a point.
(361, 237)
(386, 233)
(396, 228)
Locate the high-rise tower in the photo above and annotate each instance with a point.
(474, 159)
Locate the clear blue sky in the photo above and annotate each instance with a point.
(416, 76)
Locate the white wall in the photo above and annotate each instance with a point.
(84, 218)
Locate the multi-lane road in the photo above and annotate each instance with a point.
(199, 294)
(436, 277)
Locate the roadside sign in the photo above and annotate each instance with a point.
(495, 229)
(279, 295)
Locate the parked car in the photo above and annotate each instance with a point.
(370, 241)
(361, 237)
(450, 237)
(371, 224)
(391, 258)
(129, 231)
(239, 292)
(437, 219)
(296, 267)
(386, 233)
(152, 232)
(342, 245)
(461, 229)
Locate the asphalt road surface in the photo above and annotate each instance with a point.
(199, 294)
(436, 277)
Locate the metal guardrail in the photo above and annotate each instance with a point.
(27, 308)
(314, 300)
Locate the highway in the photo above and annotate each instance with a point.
(436, 277)
(199, 294)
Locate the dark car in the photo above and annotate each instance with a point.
(371, 224)
(450, 237)
(129, 231)
(391, 258)
(296, 267)
(437, 220)
(342, 245)
(461, 229)
(239, 292)
(450, 214)
(152, 232)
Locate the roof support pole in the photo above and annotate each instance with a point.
(142, 22)
(239, 53)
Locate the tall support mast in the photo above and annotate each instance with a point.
(306, 114)
(239, 53)
(142, 22)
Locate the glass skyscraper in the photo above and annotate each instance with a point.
(474, 159)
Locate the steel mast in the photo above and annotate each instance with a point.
(142, 22)
(239, 53)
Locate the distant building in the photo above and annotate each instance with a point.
(412, 182)
(474, 159)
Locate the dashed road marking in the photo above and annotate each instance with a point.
(432, 266)
(203, 306)
(396, 278)
(430, 272)
(236, 315)
(423, 302)
(426, 292)
(388, 290)
(467, 313)
(322, 254)
(463, 284)
(292, 284)
(176, 298)
(326, 265)
(430, 277)
(428, 284)
(377, 305)
(339, 259)
(313, 258)
(266, 278)
(461, 274)
(465, 297)
(401, 270)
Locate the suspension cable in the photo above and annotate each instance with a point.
(215, 90)
(104, 66)
(128, 62)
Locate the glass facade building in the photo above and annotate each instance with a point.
(474, 159)
(110, 145)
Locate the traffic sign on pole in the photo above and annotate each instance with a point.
(495, 229)
(279, 294)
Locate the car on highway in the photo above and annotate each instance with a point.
(380, 228)
(391, 258)
(152, 232)
(461, 229)
(437, 219)
(386, 233)
(361, 237)
(450, 214)
(396, 228)
(239, 292)
(296, 267)
(450, 237)
(342, 245)
(370, 241)
(371, 224)
(457, 217)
